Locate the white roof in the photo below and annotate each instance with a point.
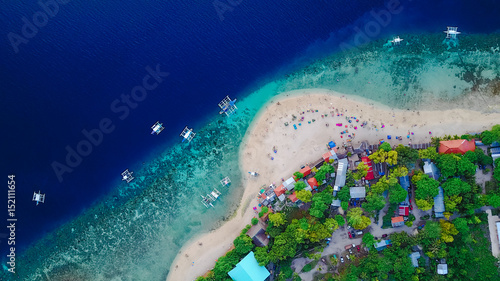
(282, 197)
(442, 268)
(357, 192)
(414, 258)
(498, 231)
(289, 183)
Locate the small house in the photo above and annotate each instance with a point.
(397, 221)
(289, 184)
(431, 170)
(456, 146)
(341, 174)
(248, 269)
(305, 171)
(404, 211)
(313, 182)
(414, 258)
(258, 234)
(280, 190)
(293, 197)
(336, 203)
(368, 162)
(357, 192)
(379, 246)
(442, 269)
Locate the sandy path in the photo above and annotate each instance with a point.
(306, 145)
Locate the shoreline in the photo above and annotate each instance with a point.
(307, 144)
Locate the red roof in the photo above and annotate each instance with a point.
(279, 190)
(263, 196)
(293, 197)
(368, 162)
(313, 182)
(404, 210)
(327, 156)
(306, 170)
(397, 219)
(456, 146)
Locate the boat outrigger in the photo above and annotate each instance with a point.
(225, 181)
(228, 106)
(38, 197)
(157, 128)
(209, 198)
(187, 134)
(127, 176)
(451, 32)
(396, 40)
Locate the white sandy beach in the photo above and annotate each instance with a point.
(306, 145)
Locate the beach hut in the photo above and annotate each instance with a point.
(305, 171)
(368, 162)
(289, 184)
(331, 144)
(279, 190)
(439, 204)
(313, 182)
(258, 234)
(431, 170)
(248, 269)
(456, 146)
(293, 197)
(397, 221)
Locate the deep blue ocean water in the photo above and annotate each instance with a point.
(65, 78)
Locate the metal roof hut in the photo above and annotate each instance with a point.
(248, 269)
(357, 192)
(439, 204)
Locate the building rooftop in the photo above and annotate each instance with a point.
(293, 197)
(439, 204)
(414, 258)
(442, 269)
(368, 162)
(248, 269)
(431, 170)
(313, 182)
(404, 210)
(306, 171)
(456, 146)
(357, 192)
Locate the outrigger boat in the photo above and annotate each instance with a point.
(451, 32)
(228, 106)
(225, 181)
(396, 40)
(187, 134)
(157, 128)
(127, 176)
(210, 197)
(38, 197)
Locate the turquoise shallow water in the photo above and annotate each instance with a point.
(136, 231)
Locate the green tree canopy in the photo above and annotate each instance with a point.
(304, 195)
(494, 200)
(326, 168)
(381, 156)
(368, 240)
(455, 186)
(277, 219)
(365, 222)
(374, 202)
(321, 202)
(451, 202)
(298, 175)
(344, 194)
(433, 229)
(340, 220)
(354, 216)
(261, 255)
(448, 230)
(397, 194)
(406, 155)
(482, 159)
(361, 172)
(400, 171)
(447, 164)
(465, 167)
(427, 188)
(255, 221)
(300, 185)
(428, 153)
(424, 204)
(243, 244)
(385, 146)
(471, 155)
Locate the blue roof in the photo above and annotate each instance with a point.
(405, 182)
(495, 150)
(439, 204)
(331, 144)
(248, 269)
